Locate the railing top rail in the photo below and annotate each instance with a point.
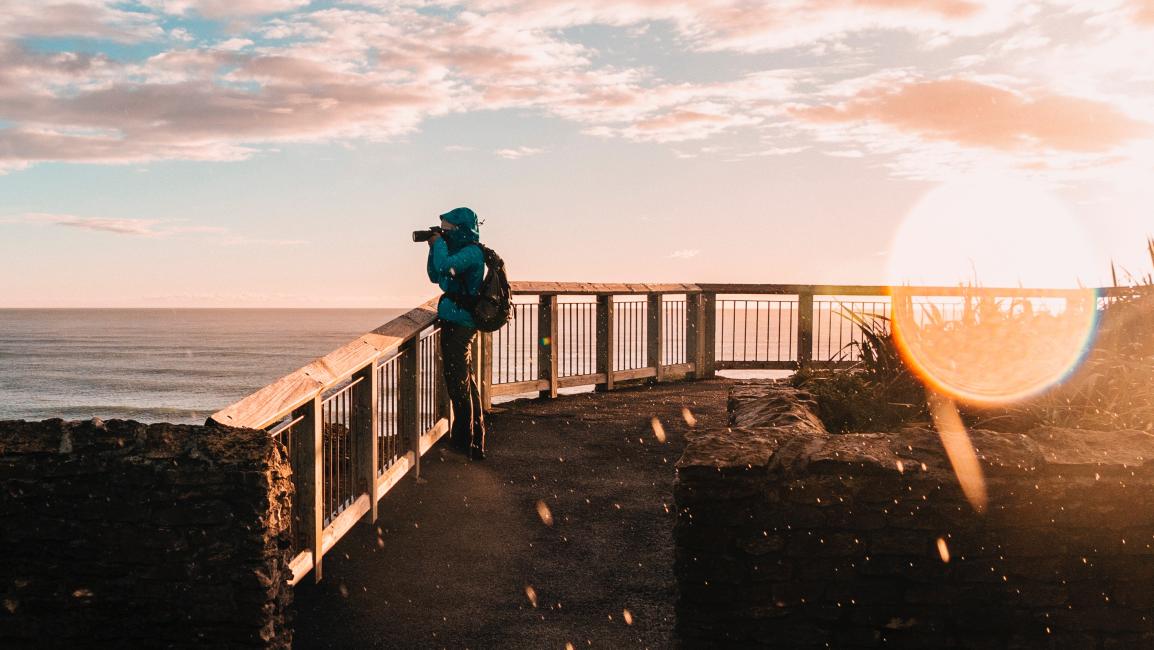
(884, 290)
(279, 398)
(594, 288)
(599, 288)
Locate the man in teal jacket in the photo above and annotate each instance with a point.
(458, 268)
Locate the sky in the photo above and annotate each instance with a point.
(277, 153)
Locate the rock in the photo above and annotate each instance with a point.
(755, 405)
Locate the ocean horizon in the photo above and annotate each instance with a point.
(159, 364)
(180, 365)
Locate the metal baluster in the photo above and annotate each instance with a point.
(792, 305)
(745, 331)
(779, 310)
(829, 330)
(732, 346)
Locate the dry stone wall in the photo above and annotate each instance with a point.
(791, 537)
(130, 535)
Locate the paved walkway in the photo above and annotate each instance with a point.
(448, 563)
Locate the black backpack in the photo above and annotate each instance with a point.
(493, 306)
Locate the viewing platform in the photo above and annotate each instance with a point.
(358, 419)
(652, 506)
(458, 549)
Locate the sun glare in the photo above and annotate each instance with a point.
(994, 232)
(984, 233)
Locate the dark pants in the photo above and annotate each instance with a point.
(468, 428)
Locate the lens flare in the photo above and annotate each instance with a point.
(959, 450)
(992, 352)
(978, 345)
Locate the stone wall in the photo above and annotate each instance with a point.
(790, 537)
(123, 534)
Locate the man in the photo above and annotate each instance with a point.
(458, 268)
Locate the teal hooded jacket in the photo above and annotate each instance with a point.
(457, 267)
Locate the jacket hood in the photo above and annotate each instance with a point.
(467, 229)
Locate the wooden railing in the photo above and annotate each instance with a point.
(355, 422)
(358, 419)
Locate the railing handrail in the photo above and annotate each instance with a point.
(278, 399)
(534, 288)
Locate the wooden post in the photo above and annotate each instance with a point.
(804, 329)
(409, 398)
(655, 331)
(365, 406)
(310, 482)
(485, 376)
(694, 333)
(709, 335)
(605, 341)
(547, 344)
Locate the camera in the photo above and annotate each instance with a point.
(426, 235)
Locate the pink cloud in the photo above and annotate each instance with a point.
(137, 227)
(518, 152)
(1143, 11)
(956, 9)
(151, 228)
(180, 105)
(371, 70)
(83, 18)
(973, 114)
(19, 147)
(226, 8)
(740, 25)
(677, 119)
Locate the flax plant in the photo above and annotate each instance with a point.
(1114, 387)
(877, 393)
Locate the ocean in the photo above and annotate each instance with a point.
(158, 365)
(182, 365)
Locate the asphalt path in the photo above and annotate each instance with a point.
(464, 558)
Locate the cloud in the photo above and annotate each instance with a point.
(20, 147)
(374, 71)
(95, 19)
(684, 254)
(149, 228)
(351, 71)
(518, 152)
(135, 227)
(1143, 12)
(233, 44)
(739, 25)
(240, 240)
(225, 8)
(772, 151)
(974, 114)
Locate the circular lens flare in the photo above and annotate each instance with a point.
(981, 345)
